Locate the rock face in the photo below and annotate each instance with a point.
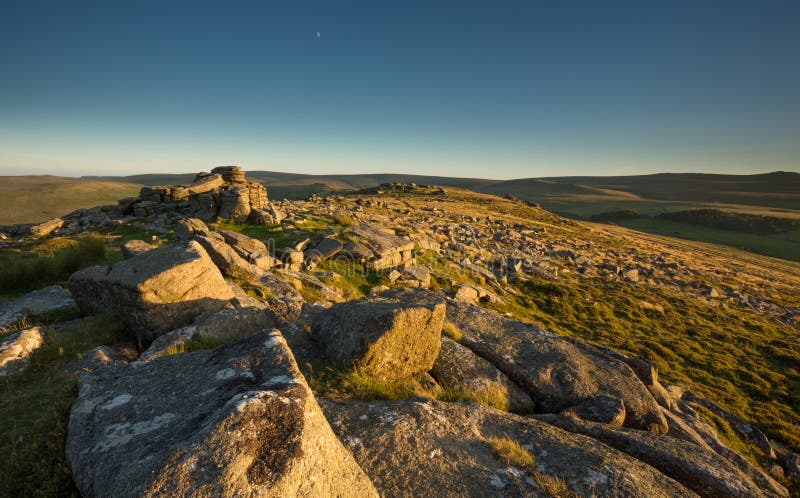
(241, 422)
(557, 373)
(702, 471)
(39, 303)
(389, 337)
(16, 349)
(155, 292)
(420, 447)
(226, 258)
(460, 369)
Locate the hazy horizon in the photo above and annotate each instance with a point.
(461, 89)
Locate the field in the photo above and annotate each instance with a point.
(32, 199)
(782, 245)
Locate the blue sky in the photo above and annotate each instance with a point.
(481, 89)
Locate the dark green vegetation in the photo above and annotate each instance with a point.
(745, 362)
(738, 222)
(784, 245)
(34, 408)
(48, 263)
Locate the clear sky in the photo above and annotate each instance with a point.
(482, 89)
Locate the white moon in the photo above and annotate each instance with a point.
(319, 34)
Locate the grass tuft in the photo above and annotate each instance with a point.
(511, 453)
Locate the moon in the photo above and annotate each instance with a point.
(318, 34)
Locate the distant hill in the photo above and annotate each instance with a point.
(29, 199)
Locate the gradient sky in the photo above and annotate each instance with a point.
(481, 89)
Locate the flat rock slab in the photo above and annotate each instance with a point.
(155, 292)
(238, 420)
(556, 372)
(53, 299)
(388, 337)
(133, 248)
(424, 448)
(15, 350)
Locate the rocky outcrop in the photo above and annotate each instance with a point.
(49, 301)
(557, 373)
(425, 448)
(388, 337)
(459, 369)
(242, 422)
(700, 470)
(16, 349)
(155, 292)
(223, 193)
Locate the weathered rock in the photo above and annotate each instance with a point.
(155, 292)
(37, 304)
(252, 250)
(416, 276)
(388, 337)
(223, 326)
(187, 228)
(326, 249)
(556, 372)
(132, 248)
(16, 349)
(603, 409)
(241, 422)
(385, 250)
(459, 369)
(205, 184)
(226, 259)
(744, 429)
(425, 448)
(47, 227)
(94, 359)
(284, 303)
(234, 204)
(466, 294)
(700, 470)
(204, 206)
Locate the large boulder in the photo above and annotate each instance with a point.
(16, 349)
(388, 337)
(703, 471)
(155, 292)
(460, 370)
(425, 448)
(238, 420)
(556, 372)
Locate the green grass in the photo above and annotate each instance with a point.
(746, 362)
(784, 245)
(34, 409)
(50, 262)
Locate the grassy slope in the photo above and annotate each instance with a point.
(30, 199)
(782, 245)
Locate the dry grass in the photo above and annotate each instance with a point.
(451, 330)
(511, 453)
(494, 396)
